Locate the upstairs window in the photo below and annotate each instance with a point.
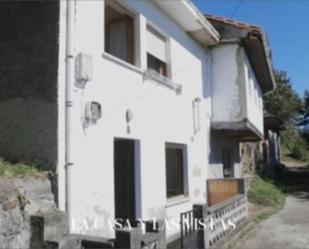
(119, 32)
(156, 51)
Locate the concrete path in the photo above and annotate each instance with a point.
(289, 228)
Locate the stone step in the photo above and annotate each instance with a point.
(51, 227)
(77, 241)
(51, 231)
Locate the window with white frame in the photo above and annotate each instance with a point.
(176, 182)
(156, 51)
(119, 32)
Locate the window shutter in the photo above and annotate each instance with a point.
(156, 44)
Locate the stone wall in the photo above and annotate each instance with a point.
(248, 159)
(28, 131)
(19, 199)
(28, 81)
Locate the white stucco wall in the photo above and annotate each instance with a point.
(226, 84)
(160, 115)
(235, 91)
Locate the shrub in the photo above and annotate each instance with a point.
(289, 136)
(294, 143)
(266, 193)
(299, 150)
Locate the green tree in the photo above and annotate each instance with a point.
(283, 102)
(305, 110)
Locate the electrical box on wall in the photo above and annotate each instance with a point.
(93, 111)
(83, 69)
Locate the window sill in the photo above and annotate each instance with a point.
(155, 76)
(122, 63)
(177, 200)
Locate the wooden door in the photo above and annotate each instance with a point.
(124, 178)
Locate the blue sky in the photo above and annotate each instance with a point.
(287, 25)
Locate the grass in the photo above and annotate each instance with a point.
(19, 170)
(265, 193)
(287, 156)
(269, 199)
(265, 214)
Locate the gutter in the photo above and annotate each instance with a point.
(191, 20)
(267, 52)
(260, 36)
(202, 20)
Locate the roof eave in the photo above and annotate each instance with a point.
(261, 64)
(188, 17)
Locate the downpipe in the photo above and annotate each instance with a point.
(69, 104)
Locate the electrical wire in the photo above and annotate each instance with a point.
(236, 9)
(147, 91)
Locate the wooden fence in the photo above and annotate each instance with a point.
(219, 190)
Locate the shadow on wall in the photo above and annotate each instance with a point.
(28, 81)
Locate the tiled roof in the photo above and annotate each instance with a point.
(235, 23)
(255, 42)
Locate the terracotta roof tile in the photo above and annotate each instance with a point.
(235, 23)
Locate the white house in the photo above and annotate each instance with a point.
(143, 66)
(134, 104)
(241, 74)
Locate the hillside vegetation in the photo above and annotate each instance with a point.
(19, 170)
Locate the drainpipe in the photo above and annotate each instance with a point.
(69, 82)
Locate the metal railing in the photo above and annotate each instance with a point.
(225, 211)
(187, 230)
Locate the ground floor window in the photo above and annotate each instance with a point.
(175, 155)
